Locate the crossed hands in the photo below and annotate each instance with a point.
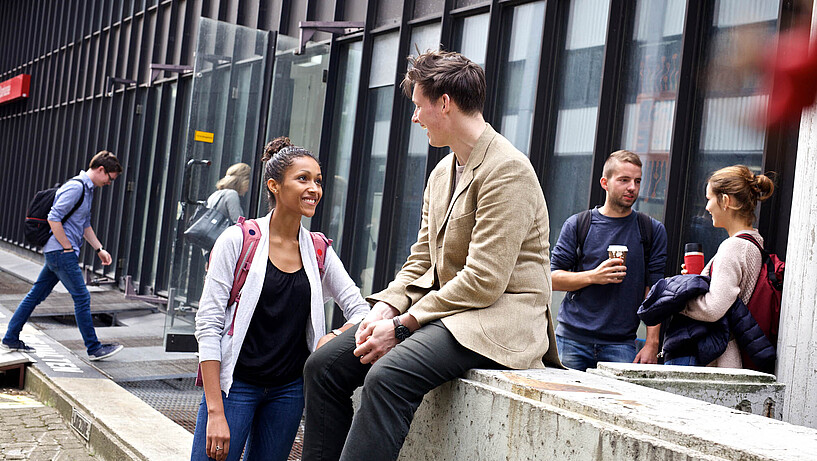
(375, 334)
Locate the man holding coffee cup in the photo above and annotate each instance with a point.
(606, 259)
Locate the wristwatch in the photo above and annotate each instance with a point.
(98, 250)
(337, 332)
(401, 332)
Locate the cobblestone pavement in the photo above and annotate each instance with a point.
(32, 431)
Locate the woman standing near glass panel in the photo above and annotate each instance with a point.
(252, 365)
(732, 194)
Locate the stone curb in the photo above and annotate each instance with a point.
(122, 427)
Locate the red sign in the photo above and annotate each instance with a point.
(15, 88)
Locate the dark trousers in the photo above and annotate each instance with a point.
(392, 390)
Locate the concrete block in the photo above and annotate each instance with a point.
(565, 414)
(746, 390)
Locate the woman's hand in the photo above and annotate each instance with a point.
(218, 436)
(684, 269)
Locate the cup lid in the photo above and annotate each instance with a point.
(693, 248)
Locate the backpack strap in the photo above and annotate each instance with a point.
(321, 243)
(582, 229)
(765, 259)
(79, 202)
(645, 229)
(251, 235)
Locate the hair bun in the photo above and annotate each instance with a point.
(274, 146)
(763, 186)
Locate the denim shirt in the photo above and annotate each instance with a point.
(65, 199)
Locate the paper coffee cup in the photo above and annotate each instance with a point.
(618, 251)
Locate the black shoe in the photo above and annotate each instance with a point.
(15, 345)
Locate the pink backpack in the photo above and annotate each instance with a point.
(251, 235)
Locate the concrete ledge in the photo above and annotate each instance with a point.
(565, 414)
(123, 427)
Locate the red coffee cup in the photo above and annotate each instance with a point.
(694, 258)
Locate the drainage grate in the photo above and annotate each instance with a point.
(179, 400)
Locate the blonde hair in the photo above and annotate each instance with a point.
(745, 188)
(236, 178)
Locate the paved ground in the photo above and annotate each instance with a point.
(32, 431)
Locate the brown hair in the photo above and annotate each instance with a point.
(623, 156)
(278, 156)
(105, 159)
(444, 72)
(237, 177)
(745, 188)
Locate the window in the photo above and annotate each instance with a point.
(567, 184)
(725, 137)
(519, 73)
(470, 37)
(651, 83)
(409, 202)
(336, 174)
(373, 168)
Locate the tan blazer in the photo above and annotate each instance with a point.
(481, 261)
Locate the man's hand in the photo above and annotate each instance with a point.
(647, 354)
(379, 340)
(612, 270)
(380, 311)
(105, 257)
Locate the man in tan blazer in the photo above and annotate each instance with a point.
(474, 293)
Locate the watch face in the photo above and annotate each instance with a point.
(402, 332)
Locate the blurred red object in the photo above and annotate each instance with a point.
(793, 73)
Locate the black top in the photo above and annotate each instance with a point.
(275, 350)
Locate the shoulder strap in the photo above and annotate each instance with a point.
(321, 243)
(79, 202)
(645, 228)
(251, 235)
(582, 229)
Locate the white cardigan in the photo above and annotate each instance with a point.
(214, 316)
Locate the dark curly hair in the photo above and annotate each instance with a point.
(277, 158)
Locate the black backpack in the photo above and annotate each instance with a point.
(36, 228)
(644, 227)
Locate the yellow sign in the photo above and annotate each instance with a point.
(203, 136)
(8, 401)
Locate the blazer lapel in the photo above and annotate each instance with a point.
(474, 161)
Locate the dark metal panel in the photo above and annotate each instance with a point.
(357, 144)
(608, 127)
(686, 128)
(492, 56)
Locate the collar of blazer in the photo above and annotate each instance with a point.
(474, 161)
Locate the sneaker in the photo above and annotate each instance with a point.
(106, 351)
(15, 345)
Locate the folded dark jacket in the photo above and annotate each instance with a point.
(704, 340)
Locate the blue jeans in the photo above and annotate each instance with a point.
(59, 267)
(268, 416)
(689, 361)
(581, 356)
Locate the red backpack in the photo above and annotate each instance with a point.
(251, 235)
(765, 302)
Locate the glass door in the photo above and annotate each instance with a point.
(222, 129)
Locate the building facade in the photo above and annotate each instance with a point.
(180, 90)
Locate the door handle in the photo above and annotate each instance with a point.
(188, 170)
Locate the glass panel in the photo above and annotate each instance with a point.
(567, 182)
(298, 93)
(470, 37)
(726, 137)
(224, 111)
(464, 3)
(423, 8)
(388, 13)
(409, 201)
(373, 167)
(651, 83)
(519, 73)
(336, 174)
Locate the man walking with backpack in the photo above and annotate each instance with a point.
(62, 256)
(597, 320)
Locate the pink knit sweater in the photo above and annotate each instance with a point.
(736, 267)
